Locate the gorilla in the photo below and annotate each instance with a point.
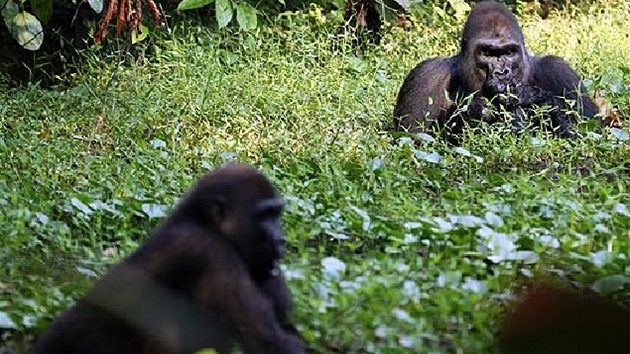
(494, 69)
(208, 277)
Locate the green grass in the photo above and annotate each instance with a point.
(387, 248)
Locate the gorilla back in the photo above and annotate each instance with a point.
(492, 63)
(207, 278)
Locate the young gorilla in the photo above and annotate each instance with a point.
(207, 278)
(492, 61)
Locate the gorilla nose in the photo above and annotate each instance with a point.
(502, 74)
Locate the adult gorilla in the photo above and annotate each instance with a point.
(493, 66)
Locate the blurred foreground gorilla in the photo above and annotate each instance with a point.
(556, 318)
(207, 278)
(494, 67)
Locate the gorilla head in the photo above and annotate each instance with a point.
(493, 50)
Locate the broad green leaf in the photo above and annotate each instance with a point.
(426, 137)
(462, 151)
(467, 153)
(42, 218)
(227, 58)
(494, 219)
(27, 30)
(193, 4)
(158, 143)
(96, 5)
(603, 257)
(10, 9)
(87, 272)
(332, 267)
(80, 205)
(403, 3)
(246, 16)
(433, 157)
(6, 321)
(620, 209)
(619, 134)
(155, 210)
(139, 37)
(537, 141)
(611, 284)
(224, 12)
(42, 9)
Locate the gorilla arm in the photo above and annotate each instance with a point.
(236, 308)
(422, 97)
(225, 290)
(276, 289)
(554, 74)
(258, 315)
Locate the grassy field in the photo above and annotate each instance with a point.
(387, 240)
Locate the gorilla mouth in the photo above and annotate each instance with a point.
(493, 87)
(504, 92)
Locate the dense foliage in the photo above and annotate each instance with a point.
(388, 242)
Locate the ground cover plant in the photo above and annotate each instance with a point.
(388, 242)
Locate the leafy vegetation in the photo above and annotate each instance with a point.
(388, 242)
(24, 19)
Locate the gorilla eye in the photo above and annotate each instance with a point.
(490, 51)
(270, 213)
(496, 52)
(269, 208)
(484, 52)
(512, 50)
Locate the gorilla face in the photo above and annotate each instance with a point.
(499, 63)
